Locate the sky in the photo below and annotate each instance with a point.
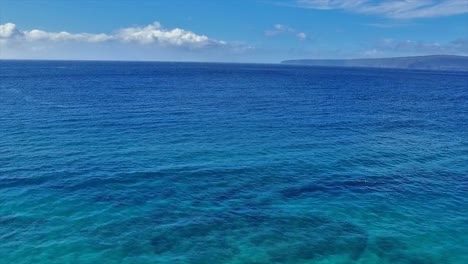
(262, 31)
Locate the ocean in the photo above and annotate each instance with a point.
(148, 162)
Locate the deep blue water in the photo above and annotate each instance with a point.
(122, 162)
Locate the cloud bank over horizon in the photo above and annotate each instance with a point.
(152, 39)
(154, 42)
(255, 31)
(396, 9)
(150, 34)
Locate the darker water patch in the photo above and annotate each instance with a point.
(12, 227)
(128, 197)
(284, 239)
(394, 250)
(189, 184)
(22, 182)
(358, 186)
(387, 245)
(112, 180)
(364, 185)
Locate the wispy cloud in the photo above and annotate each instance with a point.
(388, 25)
(283, 29)
(398, 9)
(384, 48)
(412, 47)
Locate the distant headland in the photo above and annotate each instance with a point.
(431, 62)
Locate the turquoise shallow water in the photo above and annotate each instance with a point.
(113, 162)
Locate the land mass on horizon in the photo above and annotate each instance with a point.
(431, 62)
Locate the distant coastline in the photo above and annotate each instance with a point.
(431, 62)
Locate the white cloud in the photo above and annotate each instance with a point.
(278, 29)
(154, 33)
(151, 34)
(282, 29)
(8, 30)
(301, 36)
(399, 9)
(40, 35)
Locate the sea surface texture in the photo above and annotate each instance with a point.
(135, 163)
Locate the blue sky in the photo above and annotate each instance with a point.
(237, 31)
